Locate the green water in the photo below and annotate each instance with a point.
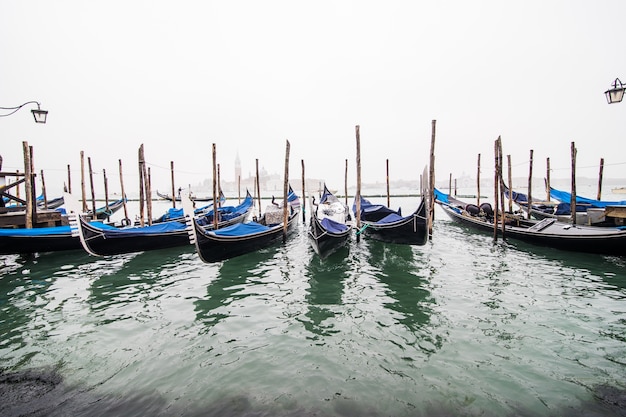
(458, 327)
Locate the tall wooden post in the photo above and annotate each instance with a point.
(345, 183)
(286, 205)
(83, 186)
(69, 179)
(126, 218)
(215, 197)
(496, 192)
(573, 197)
(387, 177)
(431, 178)
(450, 184)
(43, 191)
(530, 184)
(106, 191)
(358, 182)
(173, 184)
(141, 164)
(478, 182)
(599, 179)
(93, 191)
(258, 187)
(219, 188)
(501, 185)
(547, 179)
(149, 194)
(510, 177)
(28, 219)
(303, 194)
(33, 184)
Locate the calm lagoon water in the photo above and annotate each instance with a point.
(457, 327)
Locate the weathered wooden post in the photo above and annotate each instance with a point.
(510, 175)
(286, 205)
(303, 194)
(387, 177)
(496, 186)
(478, 182)
(215, 197)
(69, 179)
(501, 185)
(28, 219)
(83, 186)
(258, 187)
(106, 192)
(126, 218)
(43, 191)
(358, 182)
(141, 166)
(573, 197)
(345, 183)
(431, 184)
(173, 184)
(530, 185)
(547, 179)
(600, 179)
(93, 192)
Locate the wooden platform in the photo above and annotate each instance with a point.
(43, 218)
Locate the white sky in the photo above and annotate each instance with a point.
(248, 75)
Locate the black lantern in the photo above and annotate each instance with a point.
(40, 115)
(615, 94)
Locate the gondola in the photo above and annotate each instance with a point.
(588, 211)
(39, 239)
(51, 204)
(178, 214)
(550, 209)
(330, 224)
(381, 223)
(239, 239)
(192, 197)
(104, 212)
(547, 232)
(102, 240)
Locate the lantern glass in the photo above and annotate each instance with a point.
(40, 115)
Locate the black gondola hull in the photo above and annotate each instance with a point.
(215, 248)
(38, 244)
(412, 230)
(325, 243)
(598, 240)
(98, 243)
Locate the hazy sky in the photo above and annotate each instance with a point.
(249, 75)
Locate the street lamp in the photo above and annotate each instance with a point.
(615, 94)
(39, 115)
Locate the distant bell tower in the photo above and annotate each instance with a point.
(237, 167)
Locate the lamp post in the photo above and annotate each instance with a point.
(39, 115)
(616, 93)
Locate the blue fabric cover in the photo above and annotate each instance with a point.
(241, 229)
(393, 217)
(519, 197)
(368, 208)
(333, 226)
(566, 197)
(37, 231)
(441, 196)
(159, 228)
(566, 208)
(46, 231)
